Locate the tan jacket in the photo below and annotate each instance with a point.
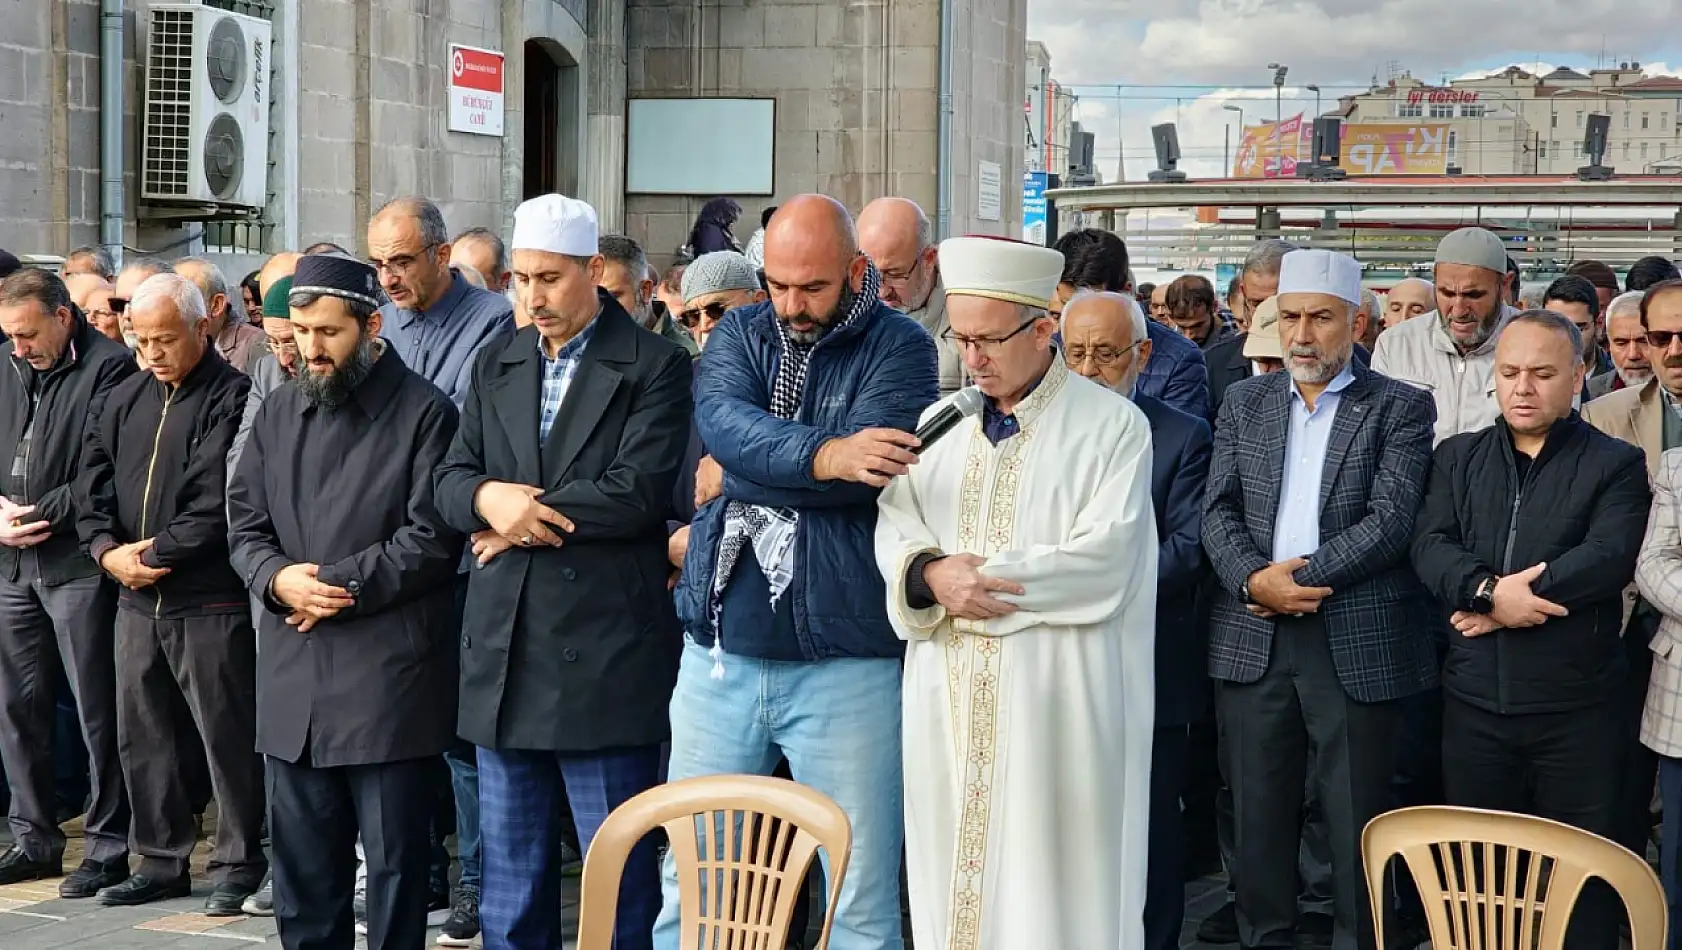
(1658, 573)
(1634, 415)
(933, 319)
(1421, 353)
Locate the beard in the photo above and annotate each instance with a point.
(1322, 366)
(332, 390)
(1635, 377)
(824, 324)
(1485, 327)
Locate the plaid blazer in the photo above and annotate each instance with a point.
(1658, 573)
(1377, 460)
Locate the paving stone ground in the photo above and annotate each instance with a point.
(32, 917)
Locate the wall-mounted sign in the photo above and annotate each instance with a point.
(989, 203)
(475, 89)
(1436, 96)
(1033, 207)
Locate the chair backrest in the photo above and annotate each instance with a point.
(742, 844)
(1493, 880)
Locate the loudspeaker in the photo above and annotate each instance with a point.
(1167, 141)
(1594, 139)
(1327, 141)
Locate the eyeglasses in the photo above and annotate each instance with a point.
(1660, 339)
(280, 347)
(1101, 355)
(984, 344)
(97, 315)
(401, 264)
(118, 305)
(714, 312)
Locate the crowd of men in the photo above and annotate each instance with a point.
(491, 538)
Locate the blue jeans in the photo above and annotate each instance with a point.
(837, 722)
(464, 781)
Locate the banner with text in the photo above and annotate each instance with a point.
(1394, 149)
(1272, 150)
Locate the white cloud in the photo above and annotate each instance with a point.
(1117, 54)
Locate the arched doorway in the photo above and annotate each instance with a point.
(551, 118)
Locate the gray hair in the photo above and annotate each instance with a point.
(1136, 315)
(175, 289)
(103, 264)
(1264, 258)
(1550, 320)
(1625, 305)
(499, 250)
(625, 252)
(214, 280)
(146, 265)
(1369, 304)
(425, 213)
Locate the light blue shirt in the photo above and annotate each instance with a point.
(1296, 528)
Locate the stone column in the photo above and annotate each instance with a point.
(602, 182)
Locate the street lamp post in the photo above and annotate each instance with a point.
(1240, 112)
(1316, 90)
(1279, 71)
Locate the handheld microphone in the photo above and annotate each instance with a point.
(966, 403)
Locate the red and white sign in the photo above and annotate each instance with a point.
(475, 89)
(1440, 96)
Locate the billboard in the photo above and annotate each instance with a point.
(1272, 150)
(1366, 148)
(1033, 207)
(1394, 149)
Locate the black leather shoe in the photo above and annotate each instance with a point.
(227, 900)
(16, 866)
(92, 876)
(141, 889)
(1221, 926)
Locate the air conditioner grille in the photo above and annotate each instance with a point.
(169, 104)
(224, 156)
(224, 59)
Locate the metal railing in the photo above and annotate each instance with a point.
(238, 237)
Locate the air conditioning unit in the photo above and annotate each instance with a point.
(205, 138)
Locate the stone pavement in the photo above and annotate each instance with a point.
(32, 917)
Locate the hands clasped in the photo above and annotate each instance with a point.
(965, 592)
(1516, 605)
(1274, 590)
(517, 519)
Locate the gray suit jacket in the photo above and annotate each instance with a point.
(1377, 617)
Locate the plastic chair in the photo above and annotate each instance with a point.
(743, 845)
(1493, 880)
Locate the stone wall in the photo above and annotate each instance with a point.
(856, 88)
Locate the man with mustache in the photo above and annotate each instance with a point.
(1452, 355)
(332, 525)
(1317, 631)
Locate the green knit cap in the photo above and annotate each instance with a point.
(274, 302)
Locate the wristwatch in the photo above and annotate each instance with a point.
(1483, 599)
(1244, 592)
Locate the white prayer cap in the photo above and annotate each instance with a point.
(557, 224)
(1314, 271)
(1000, 269)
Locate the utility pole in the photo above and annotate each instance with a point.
(1226, 151)
(1240, 110)
(1279, 71)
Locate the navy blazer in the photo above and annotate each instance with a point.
(1176, 373)
(1377, 619)
(1180, 448)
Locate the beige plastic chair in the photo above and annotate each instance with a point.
(1531, 870)
(760, 835)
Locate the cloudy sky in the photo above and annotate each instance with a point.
(1135, 64)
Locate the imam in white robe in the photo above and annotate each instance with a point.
(1028, 737)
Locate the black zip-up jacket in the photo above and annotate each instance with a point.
(66, 401)
(155, 466)
(1581, 507)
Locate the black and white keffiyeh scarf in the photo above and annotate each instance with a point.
(770, 530)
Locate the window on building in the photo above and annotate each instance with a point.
(1644, 120)
(1644, 150)
(1626, 118)
(1663, 150)
(1626, 149)
(1664, 120)
(1471, 112)
(1553, 120)
(1577, 150)
(1555, 145)
(1542, 152)
(1441, 110)
(1453, 145)
(1579, 118)
(1408, 110)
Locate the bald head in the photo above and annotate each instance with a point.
(1106, 339)
(1408, 299)
(895, 234)
(812, 265)
(82, 287)
(281, 265)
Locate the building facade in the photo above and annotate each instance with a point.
(359, 100)
(1514, 122)
(1050, 110)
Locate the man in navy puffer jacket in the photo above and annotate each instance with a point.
(805, 402)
